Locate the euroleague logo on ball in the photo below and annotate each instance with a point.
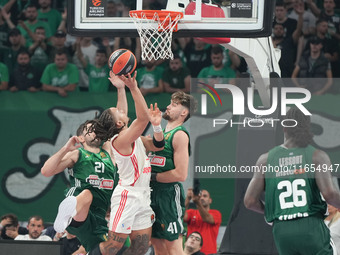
(96, 2)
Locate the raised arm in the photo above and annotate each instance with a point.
(298, 31)
(80, 54)
(129, 135)
(119, 84)
(255, 188)
(157, 142)
(65, 157)
(312, 6)
(180, 143)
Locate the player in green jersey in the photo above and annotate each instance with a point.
(295, 192)
(169, 168)
(93, 178)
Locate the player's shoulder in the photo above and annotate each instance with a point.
(181, 134)
(320, 157)
(262, 159)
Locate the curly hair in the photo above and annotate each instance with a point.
(105, 126)
(186, 100)
(301, 134)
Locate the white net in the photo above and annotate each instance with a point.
(156, 33)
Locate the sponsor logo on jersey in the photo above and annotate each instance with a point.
(147, 170)
(167, 136)
(99, 183)
(103, 155)
(158, 161)
(153, 218)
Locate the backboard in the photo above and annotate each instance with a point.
(202, 18)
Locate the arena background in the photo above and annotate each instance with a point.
(35, 125)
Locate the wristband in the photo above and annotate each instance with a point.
(157, 129)
(158, 144)
(153, 177)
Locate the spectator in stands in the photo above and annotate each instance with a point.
(204, 220)
(40, 50)
(193, 244)
(28, 27)
(333, 223)
(16, 8)
(176, 77)
(330, 46)
(4, 77)
(49, 15)
(61, 77)
(5, 26)
(218, 70)
(197, 54)
(35, 227)
(149, 77)
(289, 5)
(9, 225)
(288, 45)
(50, 231)
(71, 244)
(58, 43)
(9, 55)
(312, 66)
(328, 14)
(111, 9)
(89, 51)
(97, 73)
(24, 76)
(281, 17)
(309, 20)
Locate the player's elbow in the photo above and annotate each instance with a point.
(331, 196)
(249, 202)
(182, 177)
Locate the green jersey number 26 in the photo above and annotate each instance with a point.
(293, 193)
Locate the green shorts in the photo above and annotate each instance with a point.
(304, 236)
(167, 201)
(92, 232)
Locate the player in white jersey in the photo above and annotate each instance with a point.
(131, 214)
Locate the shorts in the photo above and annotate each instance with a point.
(167, 201)
(130, 210)
(92, 232)
(94, 229)
(304, 236)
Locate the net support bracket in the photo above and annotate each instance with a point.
(262, 59)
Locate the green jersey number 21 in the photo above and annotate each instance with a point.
(99, 168)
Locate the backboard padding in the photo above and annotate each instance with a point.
(242, 19)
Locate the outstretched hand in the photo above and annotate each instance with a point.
(155, 115)
(115, 81)
(73, 143)
(129, 81)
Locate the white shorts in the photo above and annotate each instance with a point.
(130, 210)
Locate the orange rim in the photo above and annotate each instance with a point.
(161, 14)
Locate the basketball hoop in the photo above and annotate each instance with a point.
(155, 30)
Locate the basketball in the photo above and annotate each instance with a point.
(122, 62)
